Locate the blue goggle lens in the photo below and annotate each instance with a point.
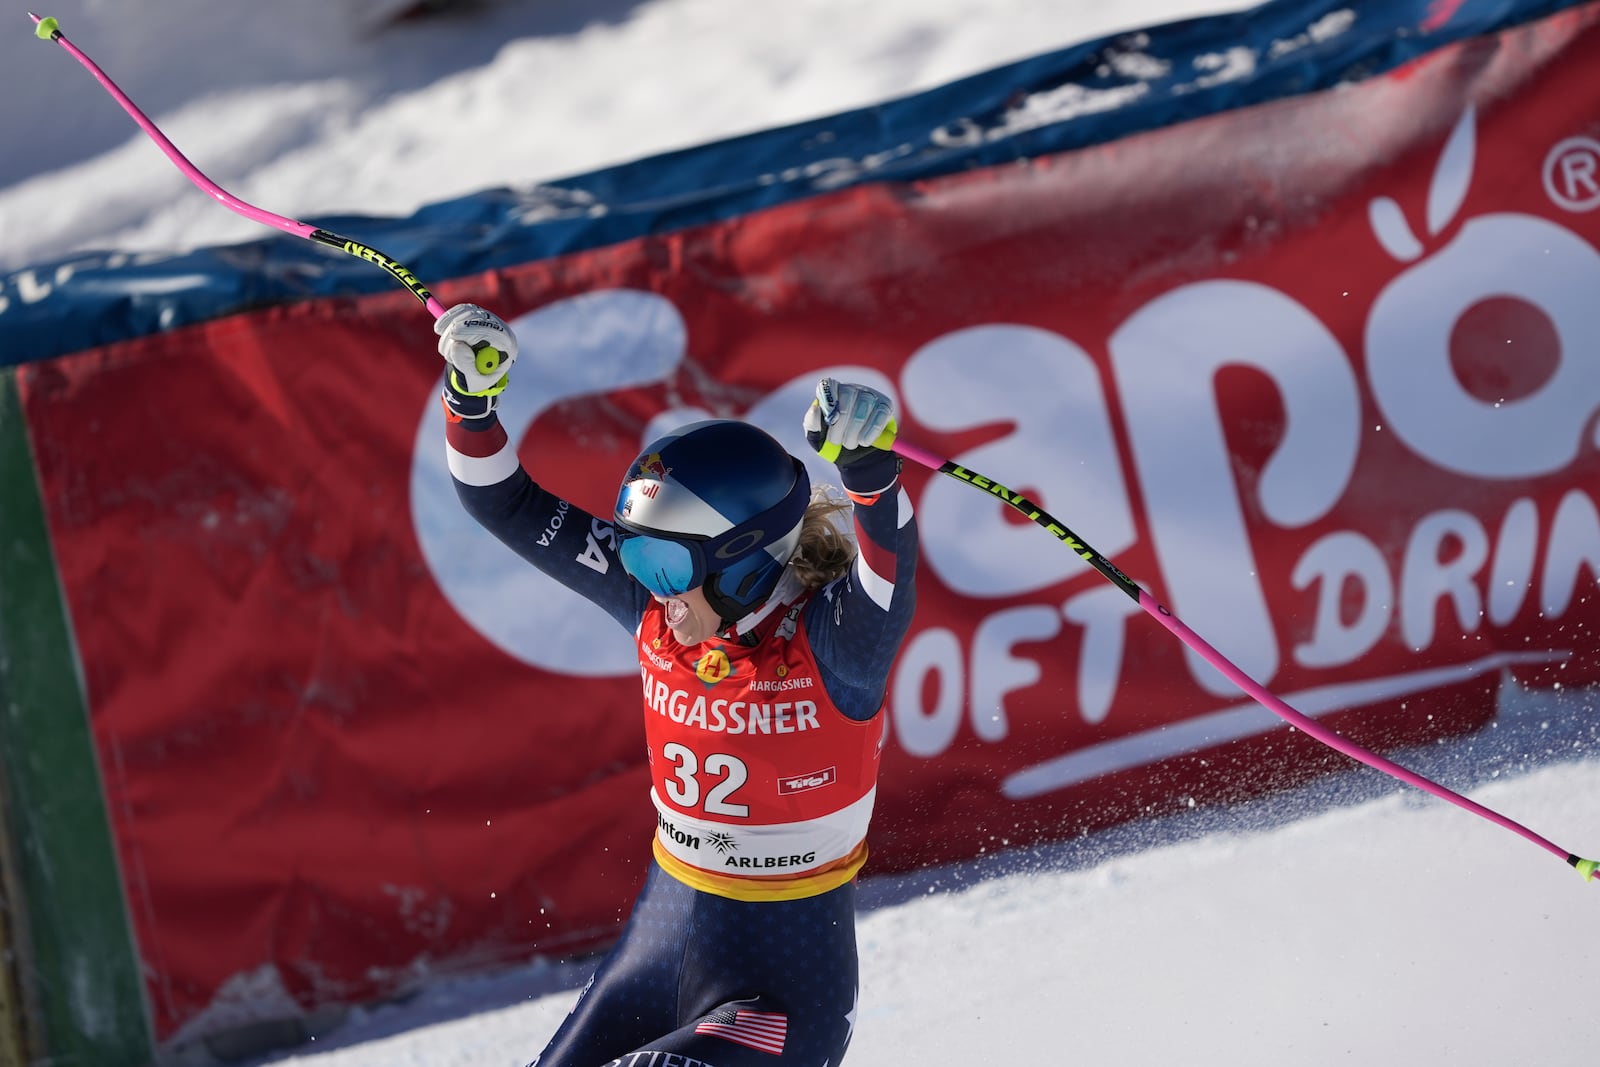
(666, 568)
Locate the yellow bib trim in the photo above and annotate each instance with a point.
(774, 887)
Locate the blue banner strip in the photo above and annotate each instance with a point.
(1087, 94)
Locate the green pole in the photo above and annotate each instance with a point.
(80, 973)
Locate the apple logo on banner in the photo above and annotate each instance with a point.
(1474, 352)
(593, 343)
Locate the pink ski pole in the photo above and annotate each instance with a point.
(48, 29)
(489, 360)
(1161, 614)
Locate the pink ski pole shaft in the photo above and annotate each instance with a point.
(48, 29)
(1278, 707)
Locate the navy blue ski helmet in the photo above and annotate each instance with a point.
(716, 504)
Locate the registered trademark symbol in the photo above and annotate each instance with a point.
(1572, 174)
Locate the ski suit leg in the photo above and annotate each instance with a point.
(719, 982)
(633, 996)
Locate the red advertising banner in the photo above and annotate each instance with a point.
(1318, 373)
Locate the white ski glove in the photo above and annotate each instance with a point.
(847, 423)
(479, 347)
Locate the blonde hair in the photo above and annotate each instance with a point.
(827, 544)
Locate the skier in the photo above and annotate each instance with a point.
(765, 638)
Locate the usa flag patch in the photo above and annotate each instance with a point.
(760, 1030)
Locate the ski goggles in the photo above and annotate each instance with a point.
(671, 566)
(665, 567)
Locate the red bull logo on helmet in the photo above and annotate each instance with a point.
(651, 466)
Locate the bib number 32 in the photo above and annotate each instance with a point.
(723, 773)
